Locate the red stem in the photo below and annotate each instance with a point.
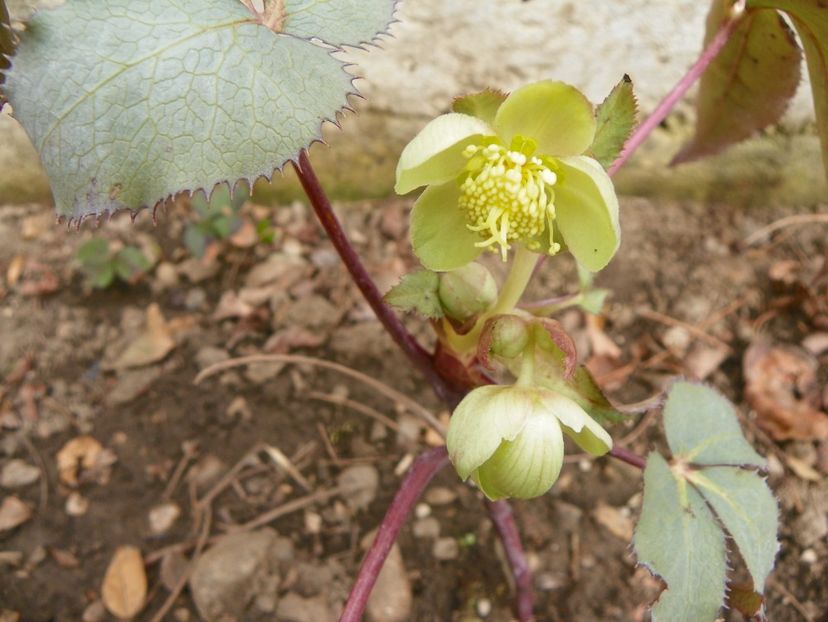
(709, 53)
(405, 340)
(625, 455)
(504, 522)
(425, 467)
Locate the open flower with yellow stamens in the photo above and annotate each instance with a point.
(510, 172)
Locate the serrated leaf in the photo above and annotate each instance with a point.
(749, 84)
(702, 428)
(748, 510)
(616, 118)
(483, 104)
(810, 18)
(677, 539)
(343, 22)
(129, 103)
(417, 292)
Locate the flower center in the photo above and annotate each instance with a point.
(507, 195)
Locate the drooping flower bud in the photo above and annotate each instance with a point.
(467, 292)
(509, 440)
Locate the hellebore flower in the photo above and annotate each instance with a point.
(514, 174)
(509, 439)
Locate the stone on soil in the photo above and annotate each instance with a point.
(225, 578)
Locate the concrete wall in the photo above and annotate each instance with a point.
(443, 48)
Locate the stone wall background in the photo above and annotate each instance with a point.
(442, 48)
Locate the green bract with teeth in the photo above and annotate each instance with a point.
(515, 178)
(509, 439)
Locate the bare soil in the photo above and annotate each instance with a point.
(689, 297)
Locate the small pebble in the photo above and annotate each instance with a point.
(17, 474)
(440, 495)
(426, 528)
(422, 510)
(76, 504)
(446, 549)
(484, 607)
(162, 517)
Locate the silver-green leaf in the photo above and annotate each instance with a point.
(677, 539)
(131, 102)
(702, 428)
(748, 510)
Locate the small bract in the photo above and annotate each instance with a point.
(514, 174)
(509, 439)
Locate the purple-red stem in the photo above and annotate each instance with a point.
(504, 522)
(405, 340)
(709, 53)
(425, 467)
(625, 455)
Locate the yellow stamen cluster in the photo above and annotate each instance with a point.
(507, 196)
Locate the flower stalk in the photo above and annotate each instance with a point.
(422, 471)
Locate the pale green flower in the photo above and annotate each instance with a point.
(513, 174)
(509, 439)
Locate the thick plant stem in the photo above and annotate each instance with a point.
(425, 467)
(404, 339)
(504, 522)
(710, 52)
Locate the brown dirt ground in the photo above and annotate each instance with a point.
(685, 261)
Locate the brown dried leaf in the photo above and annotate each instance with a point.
(84, 458)
(124, 588)
(781, 386)
(151, 346)
(13, 513)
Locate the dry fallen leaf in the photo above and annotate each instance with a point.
(124, 588)
(616, 520)
(13, 513)
(151, 346)
(781, 386)
(84, 457)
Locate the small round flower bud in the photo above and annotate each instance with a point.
(509, 336)
(467, 292)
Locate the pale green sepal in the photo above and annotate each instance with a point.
(528, 466)
(579, 426)
(748, 510)
(486, 417)
(435, 155)
(702, 428)
(677, 538)
(338, 22)
(439, 234)
(587, 212)
(553, 114)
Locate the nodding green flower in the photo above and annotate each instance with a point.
(509, 439)
(510, 173)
